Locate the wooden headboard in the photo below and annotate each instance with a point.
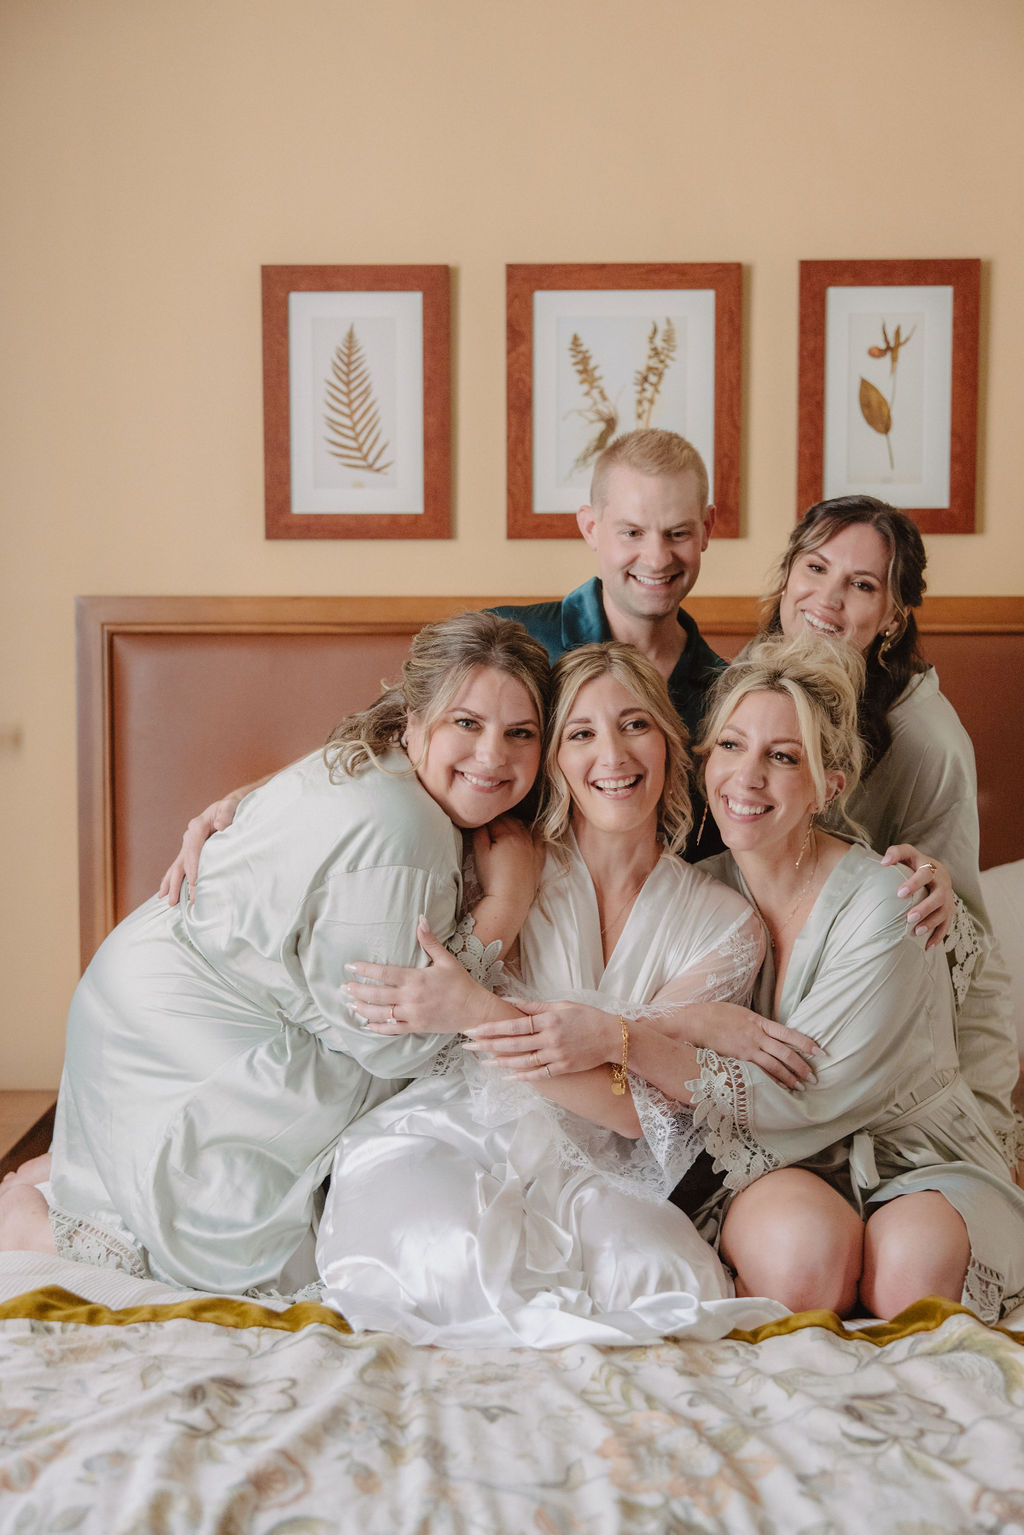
(183, 698)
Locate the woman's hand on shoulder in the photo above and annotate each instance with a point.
(931, 887)
(549, 1039)
(736, 1031)
(216, 817)
(439, 999)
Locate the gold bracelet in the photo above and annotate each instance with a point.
(619, 1072)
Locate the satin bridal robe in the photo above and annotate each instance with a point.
(889, 1112)
(212, 1057)
(469, 1211)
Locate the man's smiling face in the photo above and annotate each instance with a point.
(648, 535)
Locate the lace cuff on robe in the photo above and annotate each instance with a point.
(483, 964)
(964, 950)
(720, 1111)
(85, 1241)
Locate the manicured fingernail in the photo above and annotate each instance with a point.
(920, 931)
(903, 890)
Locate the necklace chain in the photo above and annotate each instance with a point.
(780, 927)
(610, 921)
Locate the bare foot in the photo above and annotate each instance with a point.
(24, 1220)
(35, 1170)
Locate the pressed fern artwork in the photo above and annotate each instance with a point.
(648, 379)
(874, 407)
(354, 434)
(599, 410)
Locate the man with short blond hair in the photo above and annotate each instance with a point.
(648, 521)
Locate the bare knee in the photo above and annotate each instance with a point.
(791, 1237)
(24, 1220)
(914, 1246)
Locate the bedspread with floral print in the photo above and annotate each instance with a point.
(160, 1427)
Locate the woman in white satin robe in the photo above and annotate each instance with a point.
(213, 1058)
(472, 1210)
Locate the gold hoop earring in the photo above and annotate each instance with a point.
(700, 829)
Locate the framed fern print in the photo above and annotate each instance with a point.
(889, 386)
(357, 401)
(601, 349)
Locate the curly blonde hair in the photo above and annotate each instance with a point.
(441, 659)
(639, 677)
(823, 679)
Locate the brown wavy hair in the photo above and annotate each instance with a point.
(890, 662)
(441, 659)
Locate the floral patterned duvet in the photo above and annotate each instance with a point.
(236, 1418)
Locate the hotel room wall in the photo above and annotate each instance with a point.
(155, 155)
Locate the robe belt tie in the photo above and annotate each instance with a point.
(863, 1171)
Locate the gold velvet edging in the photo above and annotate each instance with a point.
(54, 1304)
(923, 1316)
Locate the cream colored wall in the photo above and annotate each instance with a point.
(156, 153)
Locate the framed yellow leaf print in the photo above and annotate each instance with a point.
(889, 386)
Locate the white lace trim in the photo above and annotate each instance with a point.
(483, 964)
(720, 1111)
(983, 1290)
(963, 949)
(309, 1292)
(1012, 1140)
(85, 1241)
(741, 955)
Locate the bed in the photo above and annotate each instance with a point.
(126, 1406)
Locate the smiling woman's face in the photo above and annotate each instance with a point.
(483, 753)
(841, 588)
(613, 757)
(759, 786)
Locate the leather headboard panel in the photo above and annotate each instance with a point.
(195, 716)
(182, 699)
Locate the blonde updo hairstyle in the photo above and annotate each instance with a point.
(638, 676)
(823, 679)
(441, 659)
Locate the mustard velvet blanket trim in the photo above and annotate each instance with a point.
(52, 1303)
(923, 1316)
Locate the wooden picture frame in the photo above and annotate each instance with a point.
(915, 446)
(357, 421)
(552, 363)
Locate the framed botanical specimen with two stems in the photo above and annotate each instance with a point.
(597, 350)
(889, 386)
(356, 401)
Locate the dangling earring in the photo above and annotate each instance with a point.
(803, 845)
(700, 829)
